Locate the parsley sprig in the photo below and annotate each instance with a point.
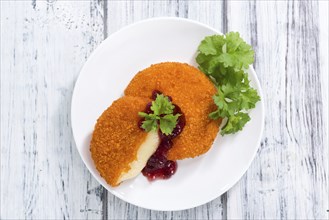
(162, 116)
(225, 60)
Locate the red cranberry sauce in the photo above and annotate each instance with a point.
(158, 166)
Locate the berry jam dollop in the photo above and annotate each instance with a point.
(158, 166)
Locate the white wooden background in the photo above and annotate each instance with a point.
(45, 43)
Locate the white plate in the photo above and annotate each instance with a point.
(103, 79)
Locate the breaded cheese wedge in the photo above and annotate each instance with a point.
(192, 91)
(119, 148)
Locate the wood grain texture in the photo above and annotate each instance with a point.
(43, 47)
(289, 177)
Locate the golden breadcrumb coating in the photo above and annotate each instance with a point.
(192, 91)
(117, 137)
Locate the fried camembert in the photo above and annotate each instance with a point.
(120, 148)
(192, 91)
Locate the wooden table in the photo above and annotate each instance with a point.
(43, 47)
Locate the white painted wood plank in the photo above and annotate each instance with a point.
(43, 49)
(43, 46)
(289, 177)
(323, 62)
(122, 13)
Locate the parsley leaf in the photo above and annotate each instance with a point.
(162, 116)
(168, 123)
(150, 125)
(235, 123)
(212, 44)
(216, 52)
(162, 105)
(224, 59)
(238, 53)
(150, 122)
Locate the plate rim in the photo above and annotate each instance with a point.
(251, 70)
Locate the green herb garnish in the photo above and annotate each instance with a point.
(225, 60)
(162, 116)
